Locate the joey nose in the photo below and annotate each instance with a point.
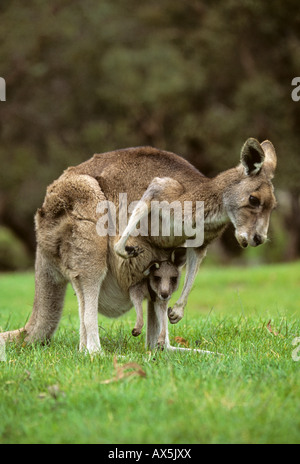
(164, 296)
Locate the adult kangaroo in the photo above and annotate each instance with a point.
(102, 268)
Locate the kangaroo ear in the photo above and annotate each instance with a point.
(252, 157)
(150, 268)
(178, 256)
(270, 162)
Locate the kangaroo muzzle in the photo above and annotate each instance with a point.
(254, 240)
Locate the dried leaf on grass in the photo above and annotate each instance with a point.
(272, 331)
(124, 371)
(182, 341)
(54, 392)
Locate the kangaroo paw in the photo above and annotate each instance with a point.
(133, 251)
(128, 251)
(175, 314)
(136, 332)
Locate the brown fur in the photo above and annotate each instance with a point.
(69, 248)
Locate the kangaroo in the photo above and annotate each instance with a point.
(103, 268)
(161, 281)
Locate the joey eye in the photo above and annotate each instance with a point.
(254, 201)
(157, 278)
(174, 280)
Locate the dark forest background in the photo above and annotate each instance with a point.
(190, 76)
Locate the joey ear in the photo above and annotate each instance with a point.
(270, 162)
(152, 266)
(252, 157)
(178, 256)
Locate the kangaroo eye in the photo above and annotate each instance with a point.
(254, 201)
(157, 278)
(174, 280)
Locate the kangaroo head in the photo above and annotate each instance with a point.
(164, 275)
(250, 200)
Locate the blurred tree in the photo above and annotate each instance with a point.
(189, 76)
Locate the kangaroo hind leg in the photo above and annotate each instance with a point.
(87, 292)
(50, 288)
(158, 335)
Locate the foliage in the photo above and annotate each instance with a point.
(193, 77)
(13, 254)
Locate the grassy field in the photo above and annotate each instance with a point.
(54, 394)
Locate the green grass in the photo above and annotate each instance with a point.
(54, 394)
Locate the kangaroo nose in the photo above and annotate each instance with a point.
(164, 295)
(258, 240)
